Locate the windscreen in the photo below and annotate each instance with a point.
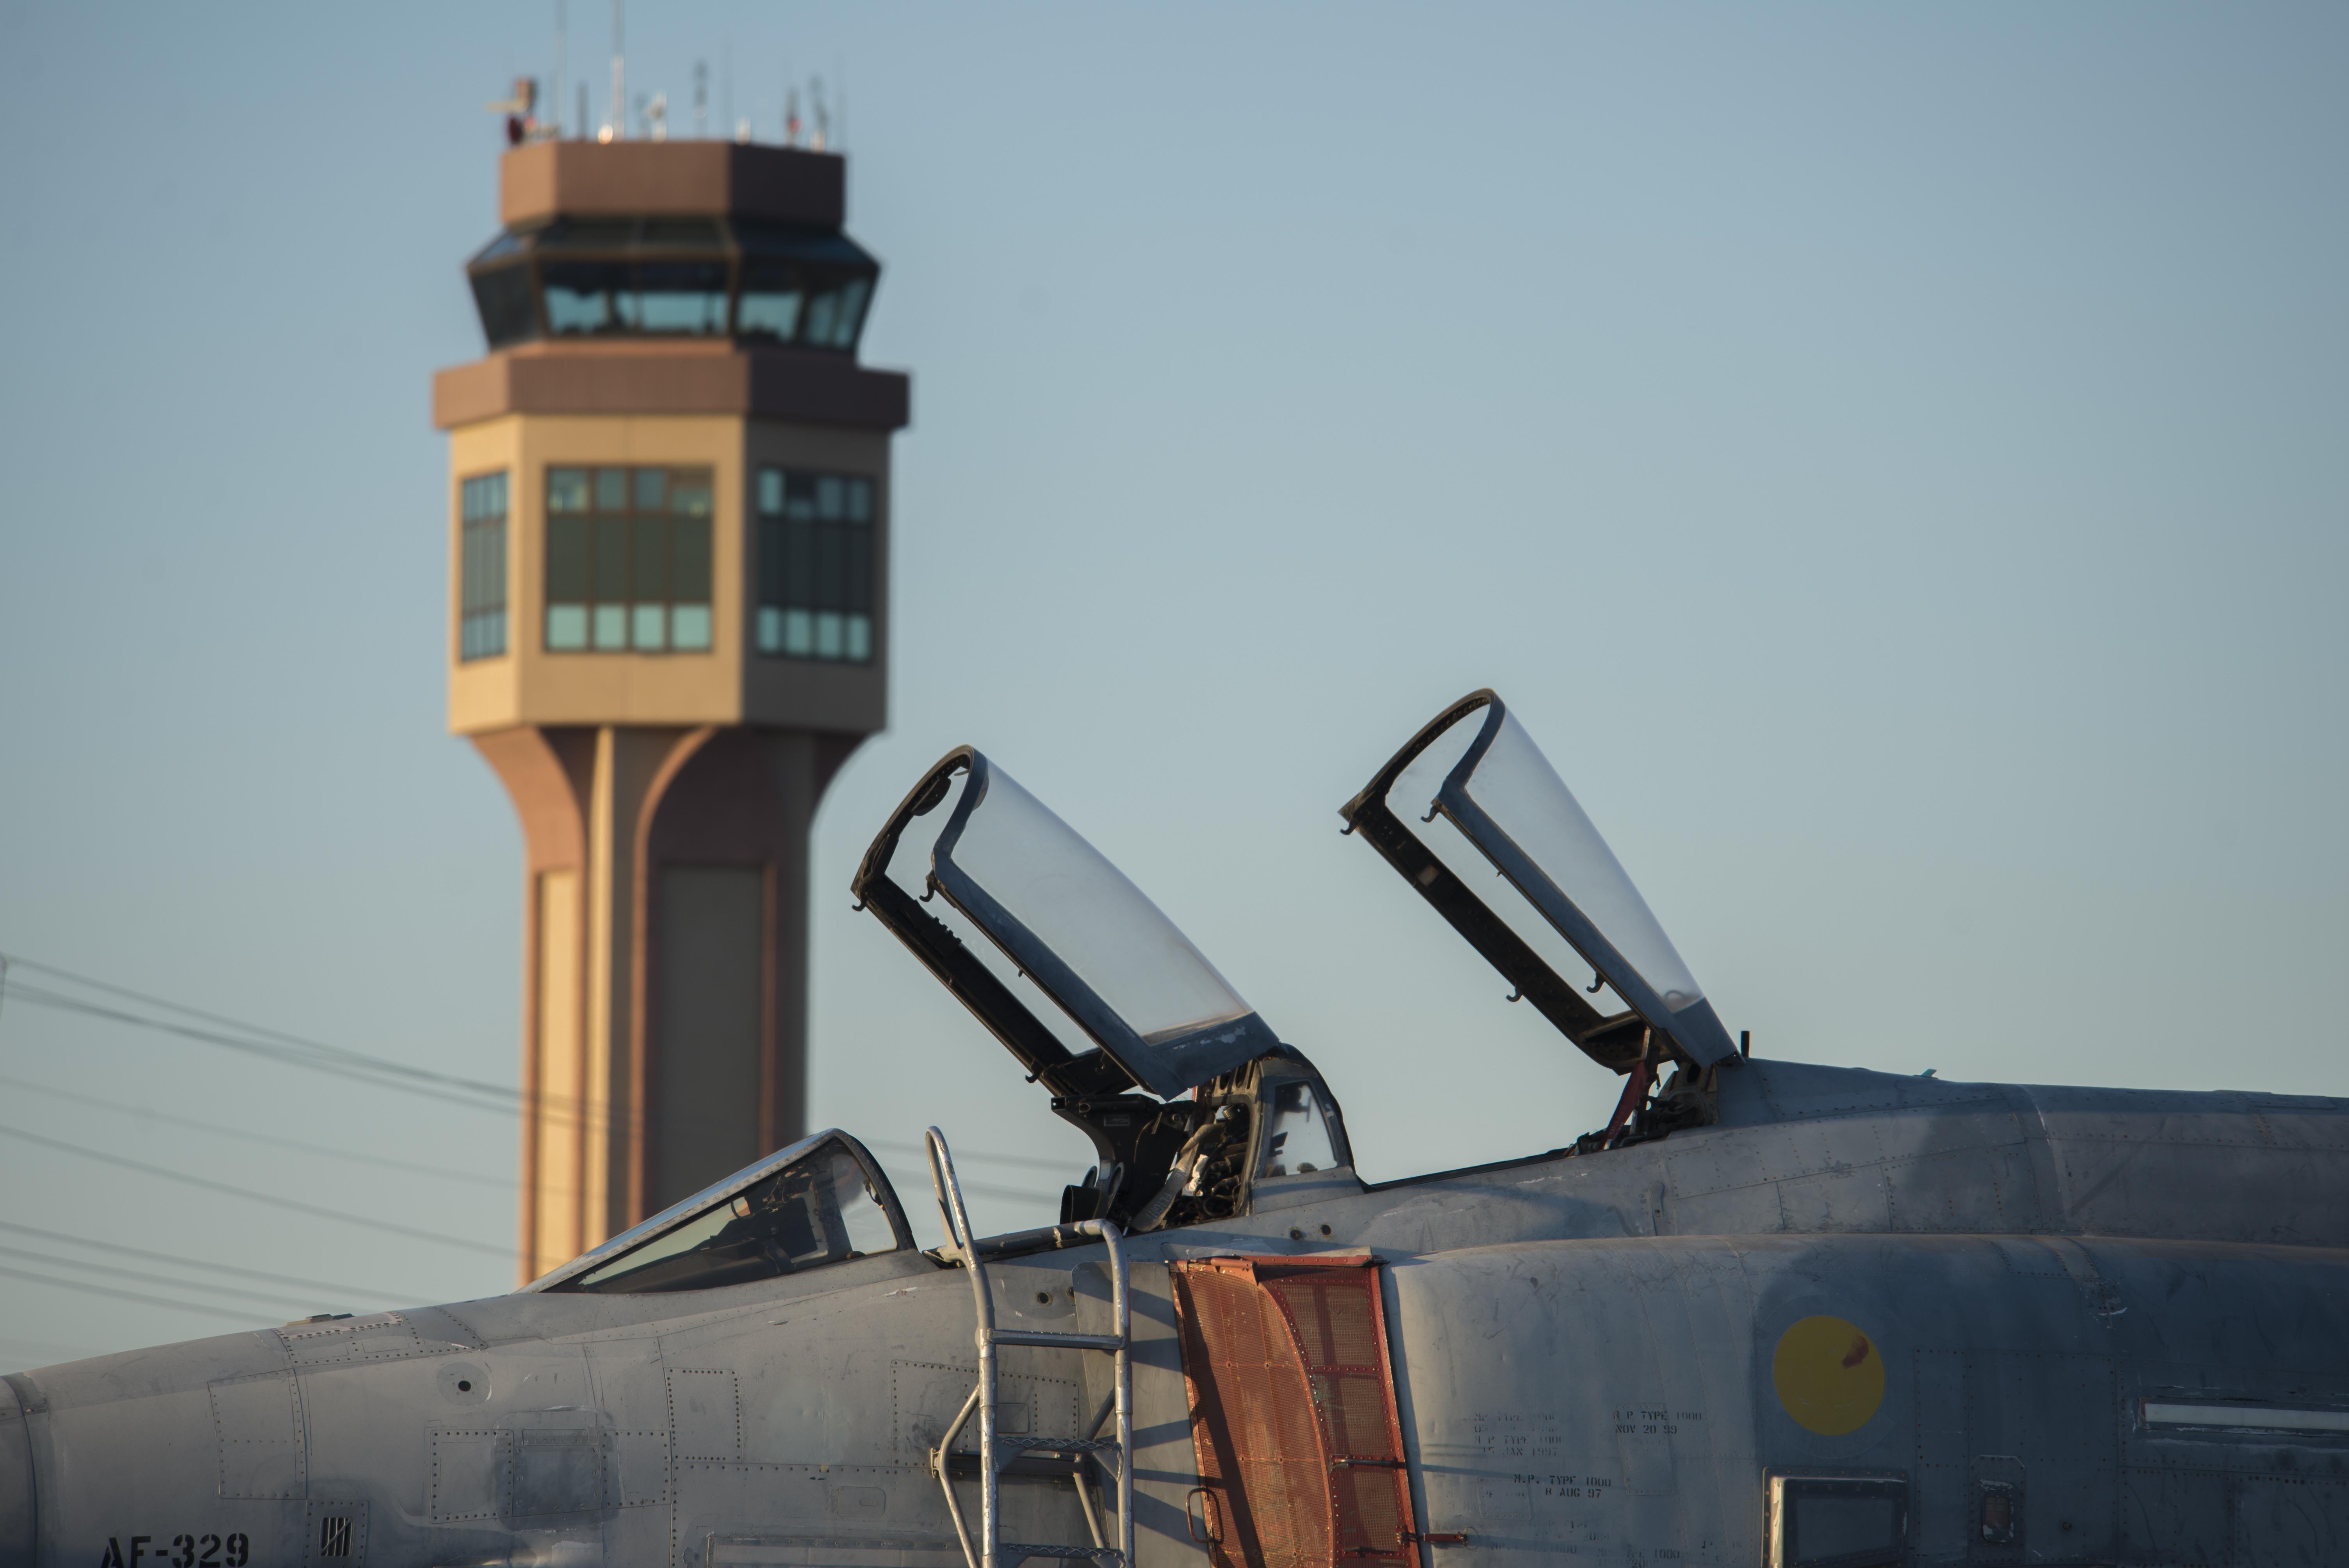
(1296, 1140)
(1525, 798)
(1082, 908)
(819, 1208)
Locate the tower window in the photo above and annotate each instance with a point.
(481, 567)
(695, 277)
(815, 565)
(509, 309)
(627, 559)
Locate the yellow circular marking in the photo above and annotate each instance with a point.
(1829, 1375)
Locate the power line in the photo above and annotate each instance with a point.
(68, 1004)
(380, 1064)
(242, 1136)
(296, 1050)
(142, 1276)
(73, 1005)
(129, 1296)
(290, 1049)
(276, 1044)
(196, 1263)
(989, 1189)
(295, 1204)
(1055, 1167)
(284, 1055)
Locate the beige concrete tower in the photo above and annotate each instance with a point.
(669, 543)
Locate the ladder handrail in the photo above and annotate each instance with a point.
(948, 1191)
(959, 1234)
(954, 1503)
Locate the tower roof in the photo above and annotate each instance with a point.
(546, 180)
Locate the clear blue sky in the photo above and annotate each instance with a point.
(1892, 457)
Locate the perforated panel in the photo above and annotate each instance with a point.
(1293, 1416)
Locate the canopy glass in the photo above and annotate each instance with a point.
(1507, 801)
(1073, 924)
(820, 1201)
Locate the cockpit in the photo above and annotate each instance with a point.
(822, 1200)
(1195, 1109)
(1189, 1097)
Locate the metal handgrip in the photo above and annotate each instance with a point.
(947, 1190)
(1206, 1526)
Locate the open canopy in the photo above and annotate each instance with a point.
(1072, 923)
(1506, 800)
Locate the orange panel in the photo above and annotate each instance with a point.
(1293, 1413)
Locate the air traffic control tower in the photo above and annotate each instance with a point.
(668, 537)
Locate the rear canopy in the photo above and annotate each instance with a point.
(1506, 800)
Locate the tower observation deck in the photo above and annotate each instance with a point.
(669, 626)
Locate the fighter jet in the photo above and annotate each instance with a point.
(1807, 1316)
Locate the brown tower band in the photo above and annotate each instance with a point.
(669, 540)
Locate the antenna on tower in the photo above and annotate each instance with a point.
(790, 116)
(583, 111)
(522, 123)
(822, 117)
(554, 93)
(616, 128)
(700, 99)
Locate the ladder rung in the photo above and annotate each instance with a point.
(1060, 1445)
(1014, 1552)
(1047, 1465)
(1064, 1341)
(1004, 1455)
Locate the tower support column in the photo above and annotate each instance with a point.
(633, 763)
(665, 997)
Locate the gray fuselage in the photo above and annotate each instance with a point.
(1591, 1355)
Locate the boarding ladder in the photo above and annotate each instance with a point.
(996, 1449)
